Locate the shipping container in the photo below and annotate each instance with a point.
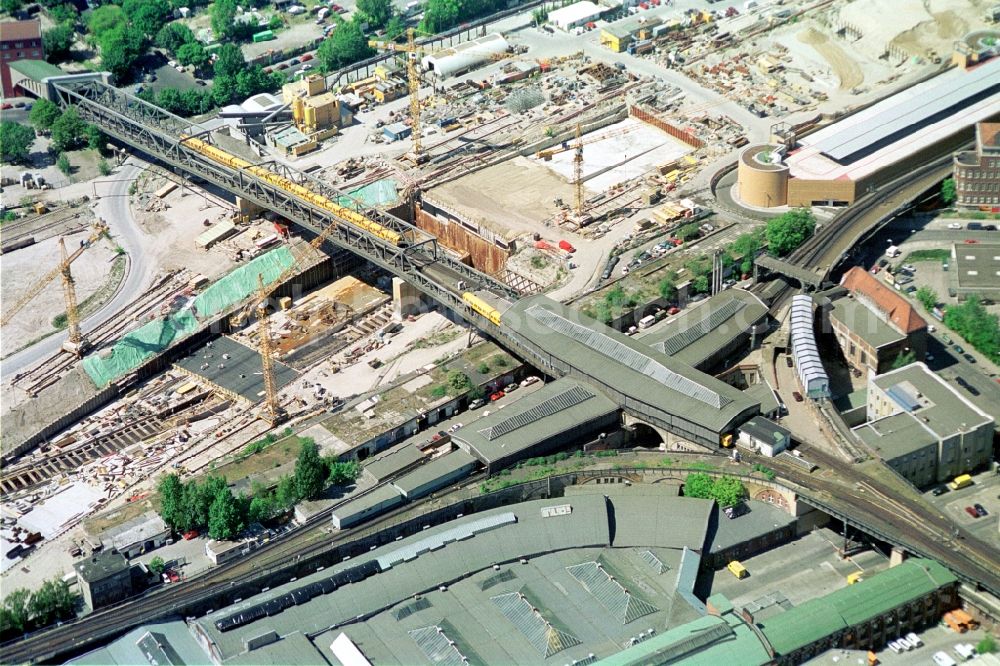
(264, 36)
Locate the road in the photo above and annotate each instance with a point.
(114, 208)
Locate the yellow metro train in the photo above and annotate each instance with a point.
(482, 307)
(357, 219)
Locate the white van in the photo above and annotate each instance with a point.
(965, 650)
(892, 252)
(942, 659)
(647, 321)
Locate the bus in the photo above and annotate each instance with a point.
(961, 481)
(737, 569)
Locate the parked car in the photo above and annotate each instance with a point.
(282, 65)
(989, 227)
(788, 361)
(294, 61)
(972, 512)
(477, 403)
(672, 310)
(455, 427)
(980, 510)
(307, 57)
(895, 647)
(797, 396)
(959, 350)
(190, 534)
(528, 381)
(510, 387)
(496, 396)
(954, 225)
(914, 640)
(974, 226)
(969, 357)
(940, 490)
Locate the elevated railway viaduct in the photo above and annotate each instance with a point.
(677, 400)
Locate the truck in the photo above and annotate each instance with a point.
(960, 481)
(892, 252)
(737, 569)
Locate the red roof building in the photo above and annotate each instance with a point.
(19, 40)
(880, 296)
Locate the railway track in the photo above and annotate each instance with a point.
(39, 232)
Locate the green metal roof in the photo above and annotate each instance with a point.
(708, 641)
(854, 605)
(392, 460)
(435, 469)
(36, 70)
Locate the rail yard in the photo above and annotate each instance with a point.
(560, 315)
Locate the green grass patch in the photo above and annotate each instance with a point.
(927, 255)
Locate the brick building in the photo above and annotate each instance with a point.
(104, 578)
(874, 324)
(977, 172)
(19, 40)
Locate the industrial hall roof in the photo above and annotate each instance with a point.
(854, 605)
(700, 332)
(549, 411)
(901, 314)
(626, 366)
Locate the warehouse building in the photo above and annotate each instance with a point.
(907, 597)
(435, 474)
(873, 323)
(576, 15)
(841, 162)
(366, 506)
(977, 172)
(923, 428)
(458, 59)
(137, 536)
(618, 36)
(560, 413)
(976, 269)
(714, 334)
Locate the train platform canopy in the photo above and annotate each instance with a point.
(855, 605)
(642, 379)
(234, 369)
(900, 126)
(802, 275)
(699, 333)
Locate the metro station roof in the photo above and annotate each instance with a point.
(626, 366)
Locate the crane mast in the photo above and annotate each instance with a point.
(273, 412)
(578, 172)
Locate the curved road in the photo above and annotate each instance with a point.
(114, 208)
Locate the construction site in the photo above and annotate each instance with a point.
(534, 157)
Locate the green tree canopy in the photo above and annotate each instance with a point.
(172, 505)
(440, 15)
(698, 485)
(347, 44)
(68, 131)
(903, 359)
(948, 191)
(62, 163)
(310, 471)
(174, 35)
(64, 13)
(286, 495)
(230, 61)
(395, 28)
(192, 53)
(15, 602)
(120, 48)
(58, 41)
(43, 114)
(376, 12)
(15, 141)
(927, 297)
(11, 6)
(105, 18)
(343, 473)
(668, 286)
(157, 565)
(974, 323)
(458, 381)
(223, 16)
(789, 230)
(688, 231)
(147, 16)
(225, 520)
(728, 491)
(260, 509)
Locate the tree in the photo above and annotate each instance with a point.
(987, 645)
(252, 80)
(728, 491)
(746, 247)
(120, 48)
(789, 230)
(699, 284)
(223, 15)
(95, 137)
(43, 114)
(260, 509)
(903, 359)
(174, 35)
(229, 62)
(224, 517)
(157, 565)
(668, 286)
(310, 471)
(104, 19)
(458, 381)
(286, 495)
(688, 231)
(68, 132)
(342, 473)
(63, 164)
(948, 191)
(58, 41)
(698, 485)
(927, 297)
(376, 12)
(11, 7)
(147, 16)
(346, 45)
(395, 28)
(980, 328)
(172, 505)
(15, 141)
(64, 13)
(440, 15)
(16, 604)
(193, 53)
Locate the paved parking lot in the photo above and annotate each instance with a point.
(937, 638)
(986, 491)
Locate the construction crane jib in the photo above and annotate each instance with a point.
(412, 52)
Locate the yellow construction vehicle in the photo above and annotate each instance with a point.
(412, 52)
(75, 342)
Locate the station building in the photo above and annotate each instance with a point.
(923, 428)
(838, 164)
(977, 171)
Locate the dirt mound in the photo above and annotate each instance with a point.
(847, 70)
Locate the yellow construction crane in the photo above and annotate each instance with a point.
(273, 412)
(413, 80)
(578, 171)
(75, 343)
